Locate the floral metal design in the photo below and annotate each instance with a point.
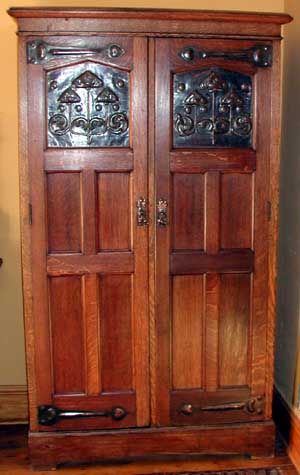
(88, 106)
(212, 108)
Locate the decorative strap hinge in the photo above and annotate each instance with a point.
(39, 52)
(50, 415)
(254, 406)
(260, 55)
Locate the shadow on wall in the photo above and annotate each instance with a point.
(288, 304)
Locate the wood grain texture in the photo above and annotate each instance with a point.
(163, 237)
(200, 161)
(64, 212)
(77, 159)
(212, 310)
(235, 294)
(201, 262)
(212, 212)
(14, 458)
(13, 405)
(114, 211)
(274, 170)
(140, 299)
(187, 331)
(26, 257)
(112, 262)
(67, 334)
(188, 211)
(222, 215)
(92, 334)
(116, 332)
(53, 449)
(236, 211)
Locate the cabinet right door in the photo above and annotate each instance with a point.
(212, 149)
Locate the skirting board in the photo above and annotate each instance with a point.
(49, 450)
(288, 424)
(13, 405)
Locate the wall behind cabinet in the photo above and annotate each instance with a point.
(12, 358)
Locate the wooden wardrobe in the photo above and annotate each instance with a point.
(149, 158)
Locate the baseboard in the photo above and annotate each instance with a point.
(13, 405)
(288, 424)
(50, 449)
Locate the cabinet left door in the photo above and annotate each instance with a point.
(87, 156)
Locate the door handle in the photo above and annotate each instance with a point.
(142, 212)
(162, 213)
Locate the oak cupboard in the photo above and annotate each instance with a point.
(149, 152)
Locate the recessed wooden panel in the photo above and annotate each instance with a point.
(116, 332)
(234, 329)
(114, 211)
(236, 210)
(64, 212)
(187, 331)
(188, 197)
(67, 334)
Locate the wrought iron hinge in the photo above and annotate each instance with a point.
(50, 415)
(269, 210)
(254, 406)
(259, 55)
(30, 213)
(39, 52)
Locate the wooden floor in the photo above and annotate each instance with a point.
(14, 461)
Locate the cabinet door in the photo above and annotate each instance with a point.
(87, 142)
(211, 157)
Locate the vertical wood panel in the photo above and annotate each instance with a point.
(89, 211)
(212, 295)
(163, 244)
(187, 331)
(234, 329)
(116, 332)
(64, 212)
(188, 197)
(261, 289)
(236, 210)
(140, 304)
(212, 212)
(67, 334)
(114, 211)
(91, 311)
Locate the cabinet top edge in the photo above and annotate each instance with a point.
(155, 14)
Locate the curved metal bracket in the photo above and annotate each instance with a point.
(39, 52)
(259, 55)
(50, 415)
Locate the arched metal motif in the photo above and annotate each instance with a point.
(88, 106)
(212, 108)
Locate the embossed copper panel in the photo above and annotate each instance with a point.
(88, 106)
(212, 108)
